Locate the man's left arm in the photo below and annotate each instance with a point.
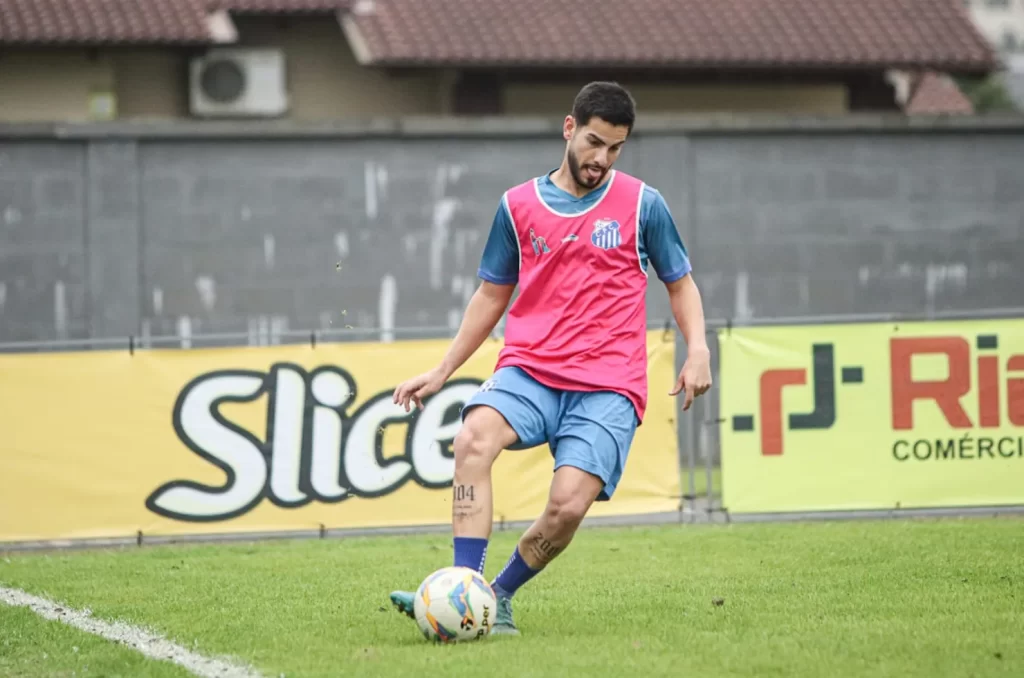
(671, 263)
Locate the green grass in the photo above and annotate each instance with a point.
(899, 598)
(32, 646)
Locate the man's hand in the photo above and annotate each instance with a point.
(418, 388)
(695, 377)
(482, 314)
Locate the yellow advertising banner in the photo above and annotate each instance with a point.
(226, 440)
(872, 416)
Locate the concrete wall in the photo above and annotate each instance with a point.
(324, 80)
(52, 85)
(109, 232)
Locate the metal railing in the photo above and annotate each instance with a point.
(312, 337)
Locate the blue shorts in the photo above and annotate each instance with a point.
(591, 431)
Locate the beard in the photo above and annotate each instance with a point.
(578, 176)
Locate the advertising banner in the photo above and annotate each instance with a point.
(225, 440)
(872, 416)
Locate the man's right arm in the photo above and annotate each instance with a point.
(499, 271)
(481, 316)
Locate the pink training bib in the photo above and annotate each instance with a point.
(580, 320)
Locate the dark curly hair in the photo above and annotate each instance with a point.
(608, 101)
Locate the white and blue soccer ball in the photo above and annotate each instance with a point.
(455, 604)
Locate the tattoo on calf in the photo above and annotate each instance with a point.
(466, 512)
(543, 549)
(463, 492)
(465, 506)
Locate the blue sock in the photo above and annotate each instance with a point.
(515, 573)
(471, 552)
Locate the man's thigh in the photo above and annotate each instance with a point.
(528, 406)
(594, 434)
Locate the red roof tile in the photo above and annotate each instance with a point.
(155, 22)
(679, 33)
(89, 22)
(279, 6)
(911, 34)
(937, 94)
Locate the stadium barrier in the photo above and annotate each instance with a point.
(108, 444)
(819, 417)
(146, 442)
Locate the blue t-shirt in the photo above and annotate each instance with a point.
(660, 243)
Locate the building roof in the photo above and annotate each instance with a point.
(937, 94)
(137, 22)
(687, 34)
(278, 6)
(933, 34)
(92, 22)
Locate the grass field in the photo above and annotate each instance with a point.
(896, 598)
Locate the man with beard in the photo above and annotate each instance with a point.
(573, 370)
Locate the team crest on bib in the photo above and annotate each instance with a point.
(606, 234)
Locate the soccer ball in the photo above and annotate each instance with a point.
(455, 604)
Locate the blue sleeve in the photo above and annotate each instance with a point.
(500, 261)
(661, 241)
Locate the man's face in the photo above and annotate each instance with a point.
(592, 149)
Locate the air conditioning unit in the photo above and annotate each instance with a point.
(238, 82)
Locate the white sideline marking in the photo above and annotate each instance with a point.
(146, 642)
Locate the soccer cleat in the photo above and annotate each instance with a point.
(403, 602)
(503, 624)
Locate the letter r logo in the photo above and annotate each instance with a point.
(770, 389)
(772, 383)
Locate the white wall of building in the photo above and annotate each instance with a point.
(1001, 21)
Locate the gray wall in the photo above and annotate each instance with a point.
(107, 232)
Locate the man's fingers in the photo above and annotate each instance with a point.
(689, 399)
(403, 396)
(421, 393)
(680, 385)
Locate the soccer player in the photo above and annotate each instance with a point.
(573, 370)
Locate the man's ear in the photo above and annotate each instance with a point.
(568, 127)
